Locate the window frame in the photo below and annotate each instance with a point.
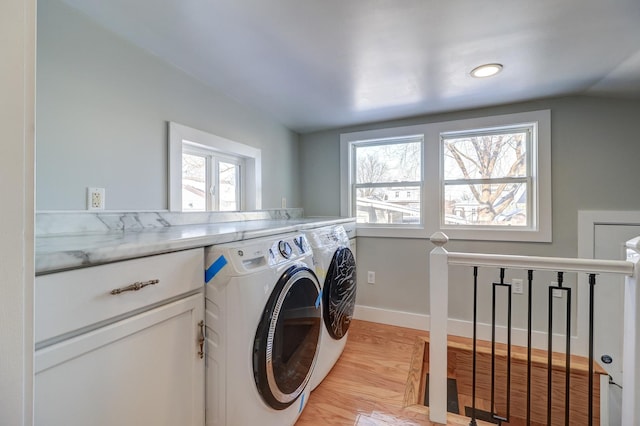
(418, 184)
(240, 186)
(348, 142)
(181, 136)
(212, 175)
(433, 185)
(530, 130)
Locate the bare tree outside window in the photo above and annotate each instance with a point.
(383, 170)
(486, 178)
(209, 183)
(228, 186)
(193, 182)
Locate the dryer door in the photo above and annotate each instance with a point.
(286, 342)
(339, 293)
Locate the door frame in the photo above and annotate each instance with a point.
(587, 222)
(17, 153)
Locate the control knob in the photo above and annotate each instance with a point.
(285, 249)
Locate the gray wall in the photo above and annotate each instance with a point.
(102, 109)
(595, 152)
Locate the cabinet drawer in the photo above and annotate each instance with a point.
(72, 300)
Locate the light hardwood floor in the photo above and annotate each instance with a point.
(367, 385)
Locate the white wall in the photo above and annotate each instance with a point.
(595, 151)
(17, 78)
(103, 105)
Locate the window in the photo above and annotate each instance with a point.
(382, 167)
(485, 178)
(210, 181)
(211, 173)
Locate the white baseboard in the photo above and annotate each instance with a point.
(463, 328)
(391, 317)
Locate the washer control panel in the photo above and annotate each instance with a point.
(287, 249)
(252, 255)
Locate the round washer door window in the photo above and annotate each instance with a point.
(286, 342)
(339, 293)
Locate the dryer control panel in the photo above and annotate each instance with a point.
(250, 255)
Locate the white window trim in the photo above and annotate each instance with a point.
(212, 161)
(346, 183)
(541, 173)
(179, 133)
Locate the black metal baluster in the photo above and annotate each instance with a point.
(493, 349)
(529, 331)
(567, 376)
(475, 319)
(592, 284)
(567, 354)
(493, 342)
(549, 354)
(508, 355)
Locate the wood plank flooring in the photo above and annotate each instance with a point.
(367, 385)
(379, 380)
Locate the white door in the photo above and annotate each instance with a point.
(609, 240)
(144, 370)
(608, 243)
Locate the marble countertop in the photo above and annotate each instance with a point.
(72, 250)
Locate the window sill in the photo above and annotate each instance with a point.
(363, 230)
(498, 234)
(511, 235)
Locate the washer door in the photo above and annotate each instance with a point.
(286, 342)
(339, 293)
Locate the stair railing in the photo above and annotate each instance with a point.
(441, 259)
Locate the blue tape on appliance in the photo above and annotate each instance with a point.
(301, 404)
(215, 267)
(319, 299)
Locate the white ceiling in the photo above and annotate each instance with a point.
(317, 64)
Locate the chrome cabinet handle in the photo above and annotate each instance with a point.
(135, 286)
(201, 339)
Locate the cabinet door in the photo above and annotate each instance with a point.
(144, 370)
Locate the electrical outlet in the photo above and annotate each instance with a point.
(284, 202)
(371, 277)
(95, 198)
(556, 293)
(516, 285)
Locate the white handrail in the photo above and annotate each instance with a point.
(439, 261)
(558, 264)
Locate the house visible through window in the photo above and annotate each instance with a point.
(210, 181)
(486, 178)
(384, 167)
(211, 173)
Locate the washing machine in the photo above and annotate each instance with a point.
(335, 266)
(263, 328)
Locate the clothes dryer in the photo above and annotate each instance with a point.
(263, 326)
(335, 266)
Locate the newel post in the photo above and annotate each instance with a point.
(631, 339)
(439, 312)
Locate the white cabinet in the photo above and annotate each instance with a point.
(139, 369)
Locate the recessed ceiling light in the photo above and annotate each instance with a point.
(486, 70)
